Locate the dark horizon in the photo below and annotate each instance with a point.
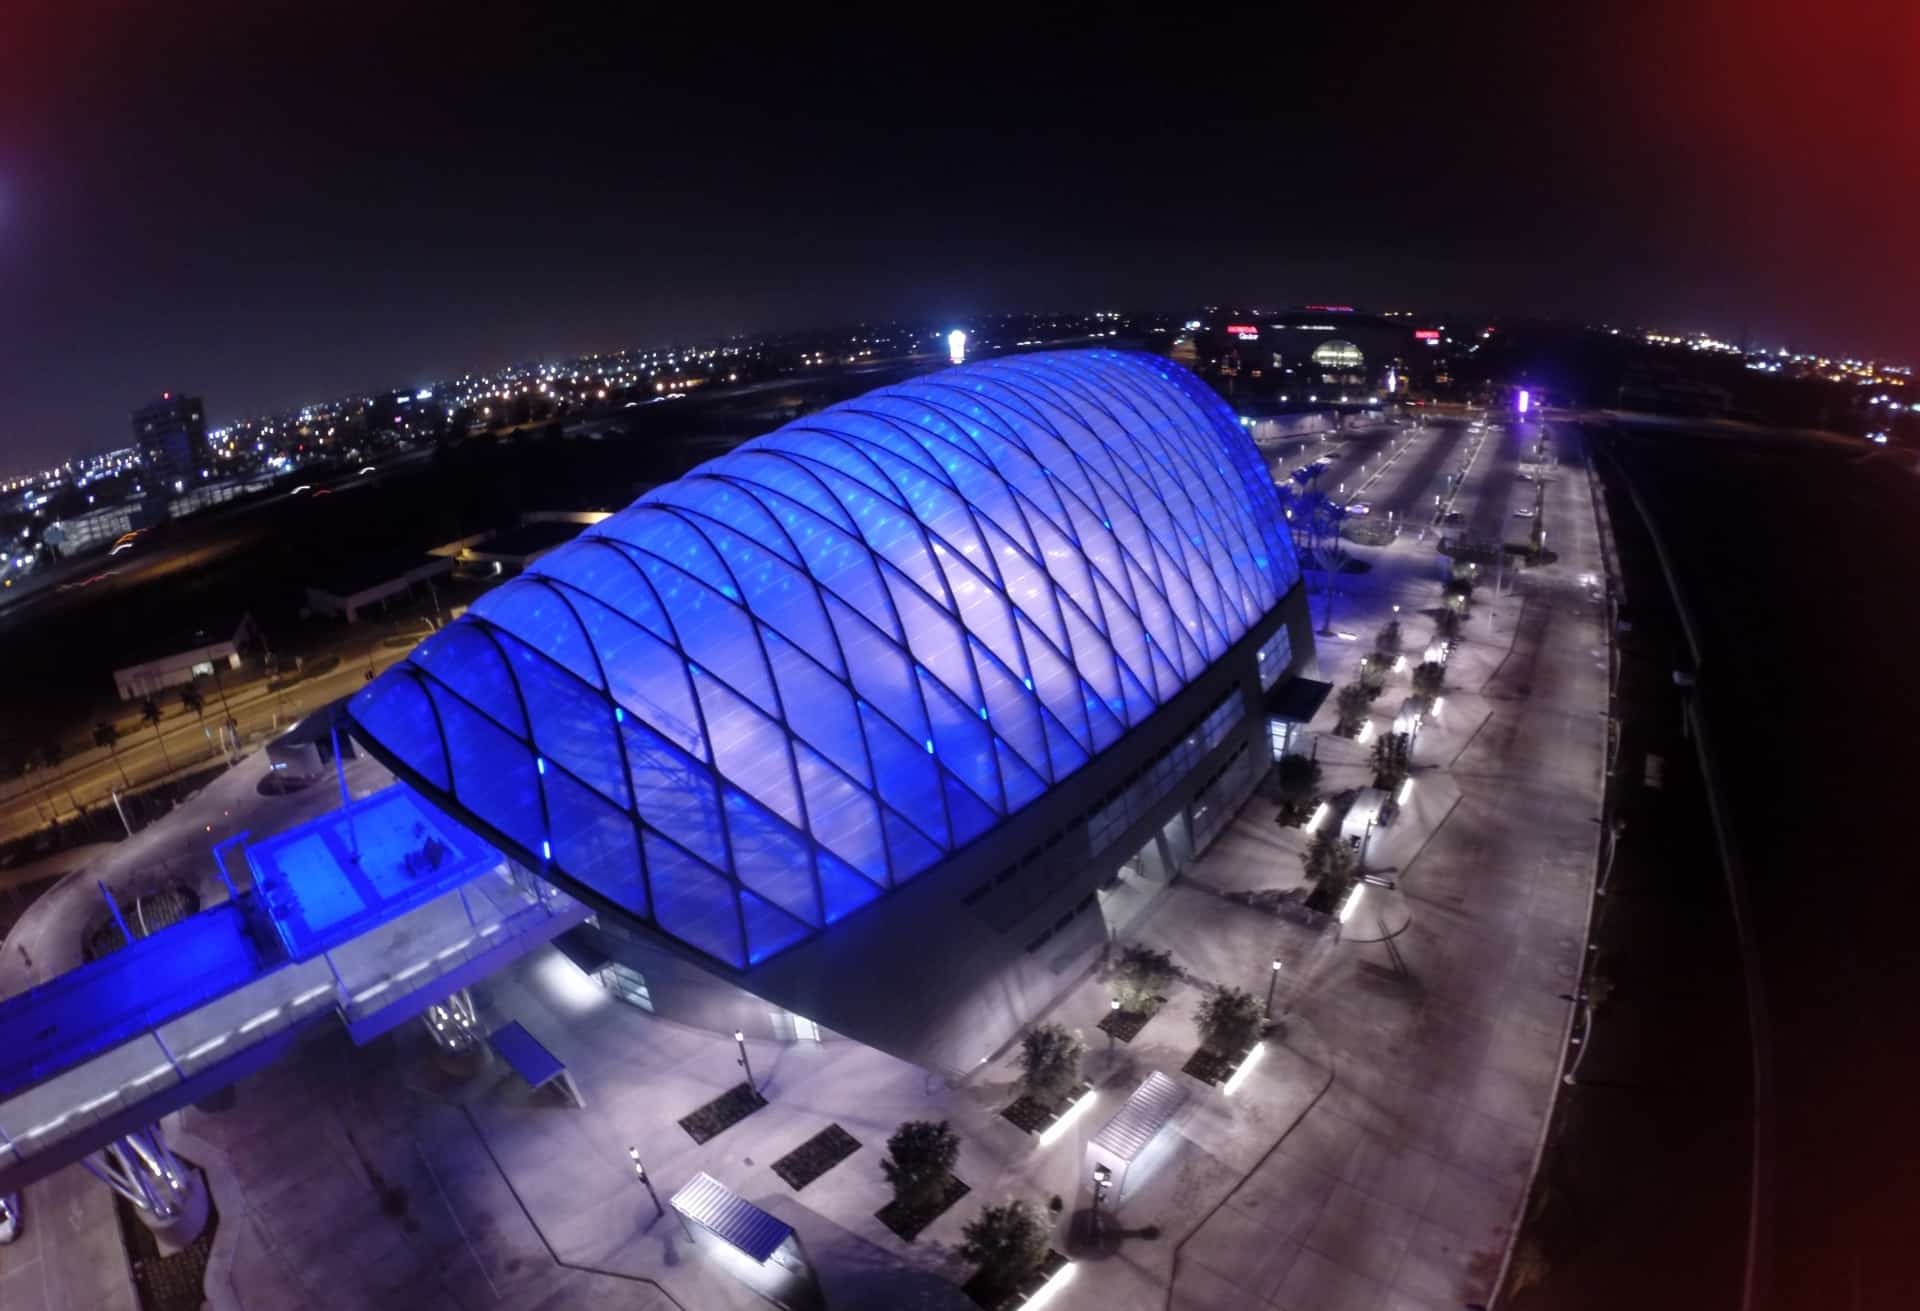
(269, 210)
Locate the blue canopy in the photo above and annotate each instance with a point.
(771, 691)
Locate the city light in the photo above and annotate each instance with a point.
(957, 346)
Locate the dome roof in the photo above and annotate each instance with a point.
(797, 677)
(1337, 354)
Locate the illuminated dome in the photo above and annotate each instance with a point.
(1338, 355)
(767, 693)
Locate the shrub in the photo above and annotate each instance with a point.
(1298, 777)
(920, 1158)
(1230, 1020)
(1448, 625)
(1141, 976)
(1392, 758)
(1373, 673)
(1429, 676)
(1006, 1243)
(1050, 1062)
(1387, 640)
(1352, 702)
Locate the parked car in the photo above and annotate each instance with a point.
(1523, 513)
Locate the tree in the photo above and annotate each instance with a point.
(150, 712)
(1429, 676)
(190, 699)
(1006, 1243)
(919, 1161)
(1050, 1062)
(1141, 976)
(1352, 702)
(1387, 640)
(1392, 758)
(1373, 673)
(1298, 776)
(1230, 1020)
(1329, 861)
(107, 734)
(1448, 624)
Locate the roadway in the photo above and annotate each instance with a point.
(190, 743)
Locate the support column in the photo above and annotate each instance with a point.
(170, 1199)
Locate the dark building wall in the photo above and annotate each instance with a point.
(948, 969)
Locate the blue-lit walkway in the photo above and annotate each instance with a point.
(370, 913)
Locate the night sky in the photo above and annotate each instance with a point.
(270, 207)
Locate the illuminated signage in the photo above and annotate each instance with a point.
(1426, 334)
(1244, 331)
(1332, 309)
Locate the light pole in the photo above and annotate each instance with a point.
(740, 1040)
(640, 1173)
(1273, 979)
(1113, 1022)
(1102, 1179)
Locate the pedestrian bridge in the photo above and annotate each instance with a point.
(370, 914)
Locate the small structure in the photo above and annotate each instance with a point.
(348, 594)
(532, 1061)
(1132, 1143)
(181, 660)
(1290, 707)
(758, 1249)
(305, 751)
(513, 550)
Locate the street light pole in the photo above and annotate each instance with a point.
(740, 1040)
(1102, 1177)
(1113, 1022)
(1273, 979)
(640, 1173)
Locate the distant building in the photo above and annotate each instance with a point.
(172, 661)
(172, 436)
(96, 528)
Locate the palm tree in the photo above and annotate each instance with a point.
(42, 803)
(107, 734)
(51, 754)
(190, 699)
(150, 711)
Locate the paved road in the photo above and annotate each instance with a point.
(189, 743)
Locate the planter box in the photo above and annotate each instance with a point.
(816, 1156)
(1126, 1025)
(722, 1113)
(1212, 1068)
(1024, 1293)
(1031, 1116)
(907, 1224)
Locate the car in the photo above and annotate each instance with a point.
(9, 1217)
(1359, 509)
(1452, 516)
(1523, 513)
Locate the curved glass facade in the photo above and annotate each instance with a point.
(765, 694)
